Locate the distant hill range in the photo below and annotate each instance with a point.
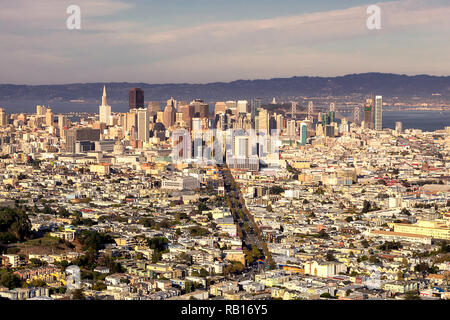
(388, 85)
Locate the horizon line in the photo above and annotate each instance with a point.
(225, 82)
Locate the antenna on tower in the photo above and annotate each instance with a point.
(332, 107)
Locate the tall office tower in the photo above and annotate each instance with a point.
(221, 121)
(62, 121)
(262, 120)
(3, 118)
(181, 104)
(303, 133)
(136, 98)
(242, 106)
(201, 109)
(41, 111)
(187, 112)
(291, 128)
(170, 113)
(327, 118)
(255, 104)
(232, 106)
(368, 114)
(241, 146)
(86, 136)
(143, 130)
(329, 130)
(378, 113)
(220, 107)
(197, 124)
(310, 111)
(131, 123)
(272, 124)
(105, 110)
(153, 108)
(294, 109)
(280, 122)
(398, 127)
(48, 117)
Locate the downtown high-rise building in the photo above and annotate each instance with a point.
(242, 106)
(170, 111)
(303, 133)
(3, 118)
(48, 117)
(255, 104)
(262, 121)
(378, 113)
(105, 110)
(291, 128)
(143, 129)
(368, 114)
(136, 98)
(201, 109)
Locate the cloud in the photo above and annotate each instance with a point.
(110, 45)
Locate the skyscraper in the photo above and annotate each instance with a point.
(262, 121)
(398, 127)
(48, 117)
(136, 98)
(378, 113)
(170, 113)
(255, 104)
(368, 114)
(201, 109)
(291, 128)
(153, 108)
(143, 130)
(242, 106)
(3, 118)
(105, 110)
(303, 133)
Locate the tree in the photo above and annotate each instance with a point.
(327, 295)
(405, 212)
(412, 295)
(365, 243)
(330, 256)
(276, 190)
(322, 234)
(14, 225)
(366, 206)
(78, 294)
(99, 286)
(9, 279)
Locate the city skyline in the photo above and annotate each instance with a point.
(150, 173)
(207, 42)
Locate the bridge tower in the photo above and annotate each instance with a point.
(356, 112)
(310, 111)
(294, 109)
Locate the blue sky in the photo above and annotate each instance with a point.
(202, 41)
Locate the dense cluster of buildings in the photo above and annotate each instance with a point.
(346, 210)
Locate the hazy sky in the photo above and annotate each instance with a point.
(160, 41)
